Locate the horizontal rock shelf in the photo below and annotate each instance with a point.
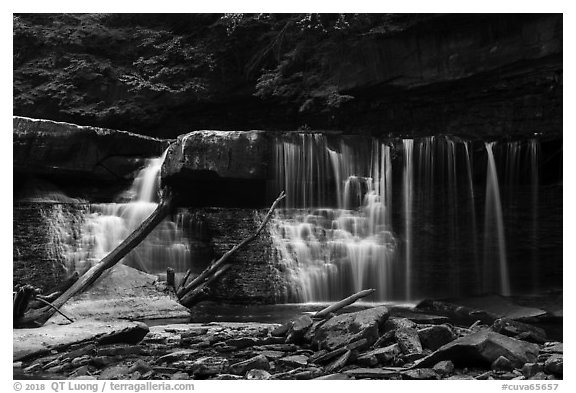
(45, 147)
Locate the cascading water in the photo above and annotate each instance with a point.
(345, 236)
(408, 180)
(335, 251)
(494, 224)
(108, 224)
(472, 201)
(403, 216)
(521, 190)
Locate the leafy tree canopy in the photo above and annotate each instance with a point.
(133, 70)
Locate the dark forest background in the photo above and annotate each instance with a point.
(166, 74)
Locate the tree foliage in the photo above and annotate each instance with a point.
(135, 69)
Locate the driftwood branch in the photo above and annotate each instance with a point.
(38, 317)
(183, 282)
(55, 309)
(187, 293)
(343, 303)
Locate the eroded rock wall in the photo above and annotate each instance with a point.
(41, 233)
(473, 75)
(256, 275)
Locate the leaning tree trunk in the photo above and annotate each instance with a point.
(37, 317)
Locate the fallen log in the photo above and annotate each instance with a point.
(343, 303)
(197, 286)
(202, 291)
(183, 282)
(37, 317)
(67, 283)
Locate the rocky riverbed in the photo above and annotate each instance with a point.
(369, 344)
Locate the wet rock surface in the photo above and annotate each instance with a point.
(45, 147)
(346, 328)
(485, 347)
(262, 351)
(434, 337)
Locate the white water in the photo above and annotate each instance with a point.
(472, 202)
(494, 223)
(335, 251)
(344, 236)
(109, 224)
(338, 233)
(408, 181)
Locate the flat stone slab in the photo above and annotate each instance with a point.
(418, 317)
(374, 373)
(122, 293)
(172, 331)
(500, 306)
(55, 148)
(38, 341)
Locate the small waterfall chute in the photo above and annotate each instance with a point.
(494, 225)
(108, 224)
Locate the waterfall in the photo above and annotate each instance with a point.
(472, 204)
(335, 250)
(108, 224)
(403, 216)
(494, 224)
(352, 232)
(408, 180)
(301, 162)
(521, 188)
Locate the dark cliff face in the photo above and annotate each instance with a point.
(469, 75)
(164, 75)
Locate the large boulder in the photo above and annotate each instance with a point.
(224, 154)
(209, 365)
(527, 332)
(434, 337)
(554, 364)
(259, 362)
(343, 329)
(408, 341)
(55, 149)
(231, 168)
(483, 348)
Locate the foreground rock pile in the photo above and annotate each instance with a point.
(368, 344)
